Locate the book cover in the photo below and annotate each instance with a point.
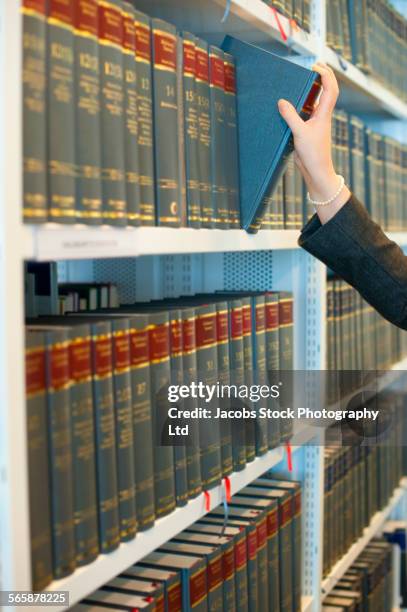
(165, 104)
(34, 111)
(38, 465)
(236, 357)
(61, 112)
(259, 366)
(112, 113)
(250, 424)
(145, 136)
(264, 138)
(286, 357)
(232, 145)
(272, 361)
(205, 132)
(87, 113)
(222, 328)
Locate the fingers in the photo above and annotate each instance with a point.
(290, 115)
(330, 90)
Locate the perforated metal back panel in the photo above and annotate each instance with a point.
(248, 271)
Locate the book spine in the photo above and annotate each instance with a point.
(297, 547)
(286, 586)
(219, 158)
(61, 112)
(87, 105)
(222, 327)
(205, 133)
(177, 378)
(34, 111)
(191, 130)
(195, 591)
(262, 564)
(286, 356)
(142, 422)
(228, 576)
(250, 431)
(252, 567)
(241, 577)
(130, 116)
(165, 101)
(112, 112)
(273, 558)
(259, 365)
(83, 446)
(237, 378)
(290, 220)
(182, 169)
(38, 466)
(207, 362)
(60, 453)
(106, 466)
(145, 137)
(190, 375)
(272, 361)
(124, 429)
(159, 341)
(215, 581)
(232, 145)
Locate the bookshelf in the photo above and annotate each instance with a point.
(213, 260)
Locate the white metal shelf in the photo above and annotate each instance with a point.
(376, 524)
(88, 578)
(58, 242)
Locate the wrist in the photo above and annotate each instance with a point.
(323, 187)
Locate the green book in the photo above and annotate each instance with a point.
(132, 172)
(236, 357)
(145, 136)
(38, 465)
(34, 113)
(117, 600)
(272, 361)
(165, 104)
(232, 145)
(87, 109)
(149, 591)
(205, 132)
(290, 209)
(124, 428)
(259, 365)
(286, 357)
(170, 580)
(112, 113)
(222, 327)
(61, 113)
(250, 424)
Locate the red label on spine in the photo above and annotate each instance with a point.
(285, 512)
(159, 338)
(215, 574)
(86, 16)
(222, 326)
(160, 604)
(143, 44)
(260, 318)
(247, 320)
(35, 5)
(230, 78)
(197, 587)
(236, 323)
(80, 357)
(272, 523)
(110, 23)
(189, 58)
(262, 533)
(272, 316)
(297, 503)
(176, 337)
(103, 355)
(61, 10)
(129, 32)
(206, 330)
(228, 564)
(188, 335)
(312, 98)
(59, 375)
(286, 312)
(35, 371)
(240, 554)
(217, 72)
(139, 348)
(252, 544)
(174, 598)
(202, 65)
(121, 350)
(165, 50)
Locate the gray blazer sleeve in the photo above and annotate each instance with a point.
(355, 247)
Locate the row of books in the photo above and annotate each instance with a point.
(368, 585)
(125, 120)
(101, 459)
(247, 559)
(359, 481)
(359, 338)
(298, 10)
(373, 35)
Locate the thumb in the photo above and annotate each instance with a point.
(290, 116)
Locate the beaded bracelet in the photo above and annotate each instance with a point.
(315, 203)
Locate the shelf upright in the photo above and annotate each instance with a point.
(14, 522)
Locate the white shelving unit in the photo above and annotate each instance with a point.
(159, 262)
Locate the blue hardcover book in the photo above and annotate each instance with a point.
(265, 140)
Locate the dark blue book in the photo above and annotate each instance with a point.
(265, 140)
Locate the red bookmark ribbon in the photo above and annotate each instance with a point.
(207, 501)
(279, 24)
(227, 489)
(289, 456)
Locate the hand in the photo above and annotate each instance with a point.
(312, 142)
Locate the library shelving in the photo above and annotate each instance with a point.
(160, 262)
